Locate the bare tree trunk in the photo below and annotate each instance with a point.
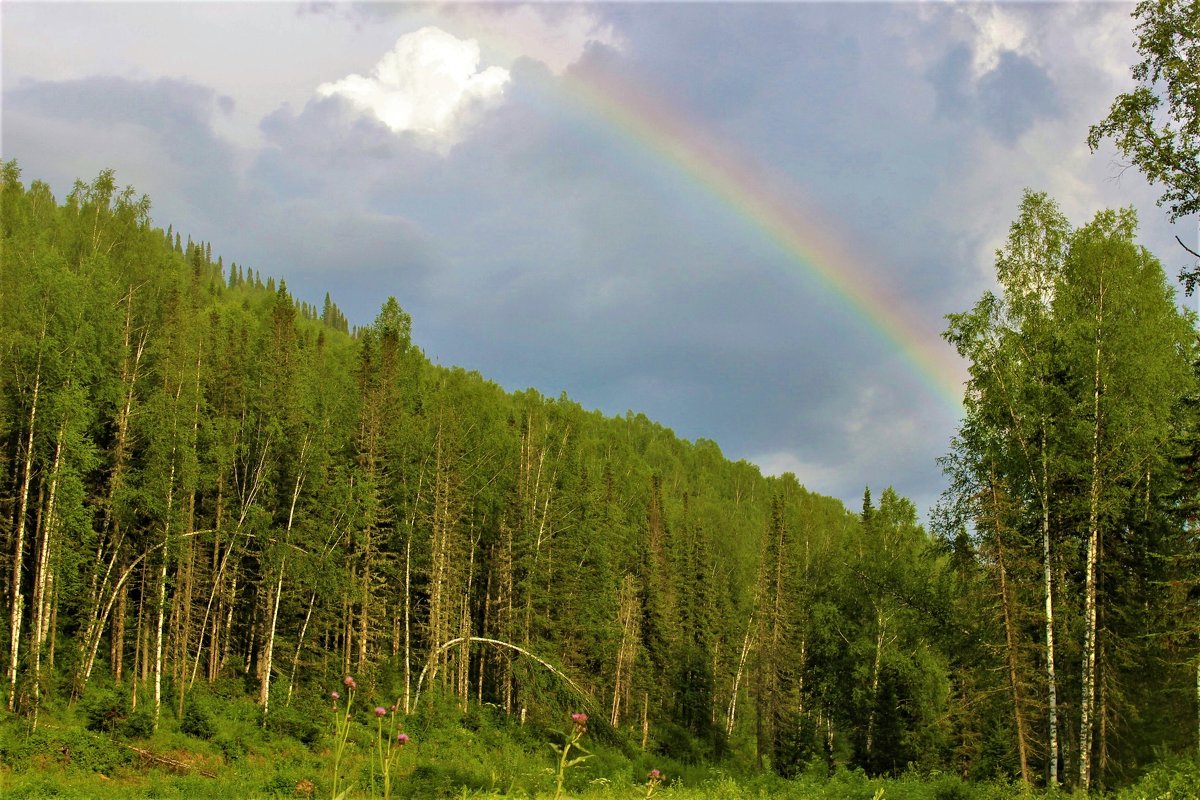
(464, 627)
(118, 595)
(51, 634)
(138, 673)
(1013, 676)
(299, 646)
(1086, 721)
(408, 541)
(628, 613)
(364, 614)
(117, 640)
(645, 719)
(264, 695)
(162, 595)
(111, 533)
(737, 676)
(184, 610)
(348, 626)
(1051, 676)
(880, 631)
(16, 600)
(408, 622)
(218, 643)
(42, 571)
(483, 628)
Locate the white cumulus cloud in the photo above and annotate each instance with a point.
(428, 84)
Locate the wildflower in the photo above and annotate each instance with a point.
(380, 711)
(654, 779)
(349, 682)
(401, 739)
(335, 696)
(565, 761)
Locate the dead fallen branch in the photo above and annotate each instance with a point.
(178, 766)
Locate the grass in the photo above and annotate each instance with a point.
(219, 750)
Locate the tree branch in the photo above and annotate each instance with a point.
(1185, 247)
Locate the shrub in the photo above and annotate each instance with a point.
(304, 726)
(196, 720)
(1166, 781)
(104, 710)
(138, 725)
(949, 787)
(233, 748)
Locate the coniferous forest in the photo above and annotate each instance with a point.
(218, 494)
(253, 550)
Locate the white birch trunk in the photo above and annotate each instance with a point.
(299, 646)
(264, 695)
(16, 598)
(41, 574)
(162, 597)
(737, 676)
(1087, 704)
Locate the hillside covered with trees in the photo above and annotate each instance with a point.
(208, 480)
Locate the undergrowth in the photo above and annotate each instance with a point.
(218, 748)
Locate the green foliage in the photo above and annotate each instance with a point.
(1171, 780)
(139, 724)
(247, 500)
(303, 724)
(197, 719)
(105, 710)
(1070, 468)
(1157, 125)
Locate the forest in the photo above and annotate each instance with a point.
(251, 549)
(217, 494)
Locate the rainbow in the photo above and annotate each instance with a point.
(650, 123)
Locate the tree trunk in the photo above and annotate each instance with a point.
(299, 646)
(1048, 589)
(16, 600)
(218, 643)
(1013, 675)
(1086, 720)
(737, 676)
(880, 632)
(408, 622)
(111, 533)
(628, 612)
(117, 640)
(42, 571)
(264, 694)
(162, 595)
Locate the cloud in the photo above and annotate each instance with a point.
(1015, 94)
(997, 32)
(558, 36)
(429, 85)
(157, 134)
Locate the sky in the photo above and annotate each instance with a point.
(746, 221)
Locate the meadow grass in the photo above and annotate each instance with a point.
(449, 755)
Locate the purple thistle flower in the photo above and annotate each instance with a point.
(579, 718)
(401, 739)
(349, 682)
(335, 696)
(380, 711)
(655, 775)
